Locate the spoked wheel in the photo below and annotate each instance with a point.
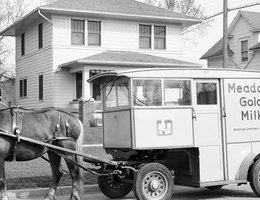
(153, 181)
(254, 177)
(113, 187)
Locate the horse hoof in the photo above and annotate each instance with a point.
(49, 197)
(74, 198)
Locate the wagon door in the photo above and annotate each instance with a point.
(207, 129)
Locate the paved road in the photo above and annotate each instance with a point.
(231, 192)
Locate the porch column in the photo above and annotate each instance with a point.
(86, 89)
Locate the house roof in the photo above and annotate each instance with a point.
(251, 17)
(131, 7)
(216, 50)
(255, 47)
(122, 9)
(127, 58)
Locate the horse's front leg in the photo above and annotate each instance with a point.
(3, 193)
(55, 162)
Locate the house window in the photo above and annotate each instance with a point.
(78, 85)
(145, 36)
(40, 36)
(94, 33)
(22, 44)
(159, 37)
(77, 32)
(40, 87)
(244, 50)
(23, 88)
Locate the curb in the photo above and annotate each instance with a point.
(40, 192)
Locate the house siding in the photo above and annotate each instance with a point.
(115, 35)
(242, 32)
(35, 62)
(217, 62)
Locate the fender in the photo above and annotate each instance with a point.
(245, 165)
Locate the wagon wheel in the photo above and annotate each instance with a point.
(153, 181)
(254, 177)
(113, 187)
(214, 187)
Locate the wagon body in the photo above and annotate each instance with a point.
(203, 124)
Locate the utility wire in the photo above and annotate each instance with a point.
(231, 9)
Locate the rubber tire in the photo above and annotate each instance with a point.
(141, 175)
(254, 177)
(113, 193)
(215, 187)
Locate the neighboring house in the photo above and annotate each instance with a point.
(7, 92)
(243, 42)
(60, 45)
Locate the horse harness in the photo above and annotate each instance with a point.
(17, 114)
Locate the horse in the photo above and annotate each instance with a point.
(50, 125)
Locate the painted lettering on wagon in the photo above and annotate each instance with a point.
(250, 105)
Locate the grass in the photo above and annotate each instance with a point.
(37, 173)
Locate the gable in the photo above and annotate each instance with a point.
(242, 26)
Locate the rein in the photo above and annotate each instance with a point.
(34, 110)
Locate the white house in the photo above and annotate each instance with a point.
(60, 45)
(244, 43)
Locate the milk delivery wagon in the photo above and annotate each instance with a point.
(192, 127)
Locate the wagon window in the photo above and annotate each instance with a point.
(206, 93)
(177, 92)
(111, 96)
(117, 93)
(147, 92)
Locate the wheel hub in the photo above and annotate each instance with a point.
(154, 185)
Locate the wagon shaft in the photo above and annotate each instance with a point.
(87, 157)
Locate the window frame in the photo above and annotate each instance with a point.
(23, 88)
(145, 36)
(116, 85)
(82, 32)
(91, 32)
(162, 81)
(214, 81)
(40, 36)
(22, 44)
(244, 51)
(41, 87)
(156, 37)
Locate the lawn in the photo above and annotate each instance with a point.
(37, 173)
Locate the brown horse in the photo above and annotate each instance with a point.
(49, 125)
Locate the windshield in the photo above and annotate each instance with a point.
(117, 93)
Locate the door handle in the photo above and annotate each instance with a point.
(194, 115)
(224, 112)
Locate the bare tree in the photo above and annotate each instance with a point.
(10, 12)
(187, 7)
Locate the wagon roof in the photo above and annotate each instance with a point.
(178, 73)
